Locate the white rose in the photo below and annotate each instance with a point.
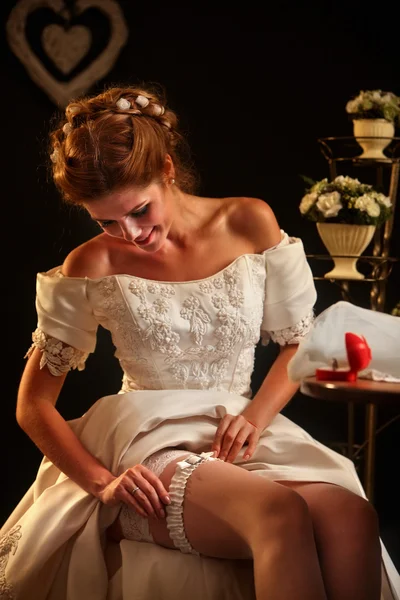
(347, 181)
(329, 204)
(376, 96)
(387, 98)
(367, 204)
(382, 199)
(373, 208)
(307, 201)
(352, 106)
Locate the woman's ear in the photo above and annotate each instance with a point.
(169, 169)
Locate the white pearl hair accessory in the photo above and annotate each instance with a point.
(67, 128)
(54, 155)
(123, 104)
(142, 101)
(158, 110)
(72, 110)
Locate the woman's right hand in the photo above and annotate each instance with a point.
(147, 501)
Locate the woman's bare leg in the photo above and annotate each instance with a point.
(347, 538)
(231, 513)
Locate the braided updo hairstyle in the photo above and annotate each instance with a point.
(114, 140)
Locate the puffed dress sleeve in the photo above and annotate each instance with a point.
(290, 293)
(66, 327)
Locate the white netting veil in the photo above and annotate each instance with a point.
(326, 341)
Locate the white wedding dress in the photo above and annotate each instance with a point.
(187, 354)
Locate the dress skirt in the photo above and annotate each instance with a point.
(54, 547)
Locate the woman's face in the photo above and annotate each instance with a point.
(140, 215)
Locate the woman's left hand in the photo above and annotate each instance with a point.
(232, 434)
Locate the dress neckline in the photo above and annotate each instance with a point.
(57, 271)
(285, 241)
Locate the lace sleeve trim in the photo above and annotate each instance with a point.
(59, 357)
(290, 335)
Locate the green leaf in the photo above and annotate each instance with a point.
(310, 182)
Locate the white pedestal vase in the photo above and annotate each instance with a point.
(348, 241)
(377, 130)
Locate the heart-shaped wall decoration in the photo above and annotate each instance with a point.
(66, 48)
(62, 46)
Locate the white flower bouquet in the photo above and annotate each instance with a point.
(345, 200)
(375, 104)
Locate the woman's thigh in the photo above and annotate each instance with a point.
(224, 506)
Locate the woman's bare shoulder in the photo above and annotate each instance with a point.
(254, 220)
(90, 259)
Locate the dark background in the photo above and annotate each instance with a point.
(255, 88)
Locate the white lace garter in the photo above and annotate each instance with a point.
(135, 527)
(175, 524)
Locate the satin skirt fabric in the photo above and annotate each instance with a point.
(53, 545)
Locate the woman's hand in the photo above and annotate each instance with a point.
(146, 501)
(232, 434)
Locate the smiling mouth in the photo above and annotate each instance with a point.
(146, 239)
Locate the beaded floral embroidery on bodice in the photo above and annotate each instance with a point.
(178, 335)
(196, 335)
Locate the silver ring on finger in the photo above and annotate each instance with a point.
(135, 489)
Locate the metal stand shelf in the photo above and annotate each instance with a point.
(345, 150)
(380, 266)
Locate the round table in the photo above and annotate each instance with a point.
(362, 391)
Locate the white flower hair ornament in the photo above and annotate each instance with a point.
(142, 101)
(54, 156)
(158, 110)
(67, 128)
(123, 104)
(72, 110)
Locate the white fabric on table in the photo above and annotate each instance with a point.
(326, 341)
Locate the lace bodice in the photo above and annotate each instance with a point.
(179, 335)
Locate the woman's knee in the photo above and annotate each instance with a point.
(283, 513)
(358, 519)
(342, 513)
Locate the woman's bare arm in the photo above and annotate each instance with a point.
(275, 391)
(38, 417)
(41, 421)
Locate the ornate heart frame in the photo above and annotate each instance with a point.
(62, 92)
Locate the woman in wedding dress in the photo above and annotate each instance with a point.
(182, 465)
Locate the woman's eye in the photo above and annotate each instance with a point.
(138, 213)
(141, 212)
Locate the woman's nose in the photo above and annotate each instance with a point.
(130, 231)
